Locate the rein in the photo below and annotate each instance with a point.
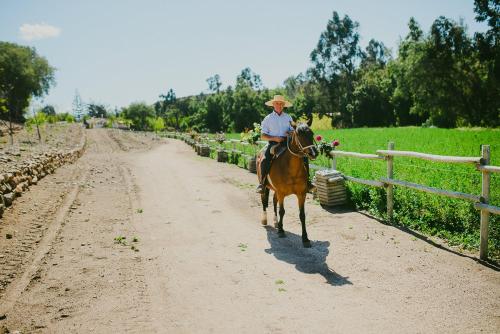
(302, 149)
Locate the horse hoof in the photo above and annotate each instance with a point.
(306, 244)
(263, 222)
(281, 234)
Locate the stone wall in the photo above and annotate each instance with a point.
(17, 180)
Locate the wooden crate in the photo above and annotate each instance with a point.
(252, 164)
(204, 150)
(330, 187)
(222, 156)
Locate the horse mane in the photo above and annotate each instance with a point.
(303, 129)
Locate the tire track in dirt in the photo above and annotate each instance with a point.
(31, 272)
(86, 282)
(29, 219)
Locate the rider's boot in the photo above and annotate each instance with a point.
(261, 187)
(264, 170)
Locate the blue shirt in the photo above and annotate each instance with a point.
(275, 125)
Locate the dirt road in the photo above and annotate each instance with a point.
(201, 262)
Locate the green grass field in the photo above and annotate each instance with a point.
(454, 220)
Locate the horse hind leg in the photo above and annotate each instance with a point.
(265, 202)
(275, 205)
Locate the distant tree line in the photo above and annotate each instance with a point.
(443, 77)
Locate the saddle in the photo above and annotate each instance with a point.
(278, 149)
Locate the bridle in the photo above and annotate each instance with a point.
(302, 149)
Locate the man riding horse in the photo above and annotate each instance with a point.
(275, 128)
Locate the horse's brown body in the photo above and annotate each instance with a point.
(287, 176)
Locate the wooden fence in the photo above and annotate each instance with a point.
(481, 202)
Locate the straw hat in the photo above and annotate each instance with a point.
(278, 98)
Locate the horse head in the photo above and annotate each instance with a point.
(303, 138)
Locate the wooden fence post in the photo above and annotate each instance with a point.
(485, 194)
(390, 187)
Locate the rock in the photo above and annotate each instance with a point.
(19, 189)
(34, 180)
(9, 198)
(8, 188)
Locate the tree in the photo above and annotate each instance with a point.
(334, 67)
(49, 110)
(303, 92)
(138, 113)
(156, 124)
(214, 113)
(400, 71)
(168, 109)
(487, 45)
(97, 110)
(246, 109)
(38, 119)
(78, 107)
(439, 73)
(214, 84)
(376, 54)
(227, 106)
(373, 88)
(23, 75)
(248, 78)
(372, 98)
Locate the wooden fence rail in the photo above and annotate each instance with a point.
(481, 202)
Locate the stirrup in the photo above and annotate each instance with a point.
(260, 189)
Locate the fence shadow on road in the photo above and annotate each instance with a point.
(307, 260)
(492, 264)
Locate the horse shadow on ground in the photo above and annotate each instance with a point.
(307, 260)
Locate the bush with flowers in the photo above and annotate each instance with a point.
(220, 138)
(325, 146)
(253, 135)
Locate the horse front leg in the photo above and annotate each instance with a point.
(302, 215)
(275, 205)
(281, 201)
(265, 202)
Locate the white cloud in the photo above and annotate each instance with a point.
(38, 31)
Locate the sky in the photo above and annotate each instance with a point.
(117, 52)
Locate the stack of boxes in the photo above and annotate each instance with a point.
(330, 187)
